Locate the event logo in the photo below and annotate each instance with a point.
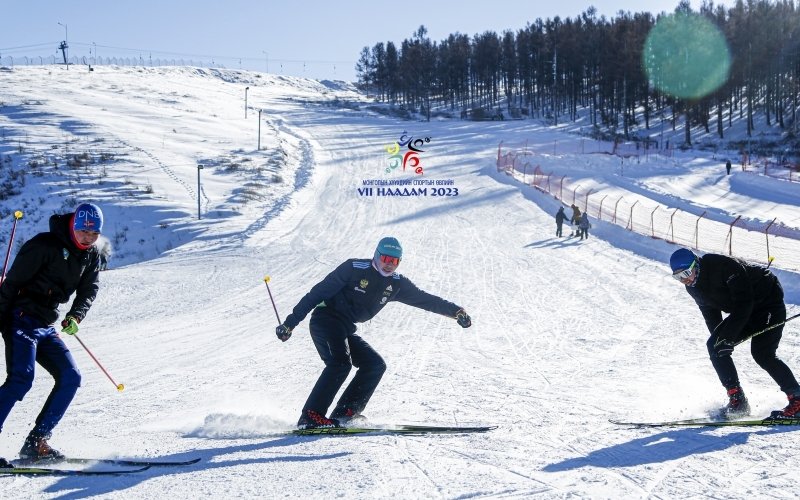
(405, 153)
(408, 158)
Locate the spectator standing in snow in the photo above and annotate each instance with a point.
(575, 220)
(560, 218)
(728, 167)
(49, 268)
(753, 298)
(353, 293)
(583, 226)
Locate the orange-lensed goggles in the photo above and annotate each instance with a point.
(388, 259)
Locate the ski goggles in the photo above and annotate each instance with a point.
(388, 259)
(684, 273)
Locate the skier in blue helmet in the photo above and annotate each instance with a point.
(752, 298)
(684, 266)
(353, 293)
(48, 269)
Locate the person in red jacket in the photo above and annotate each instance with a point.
(48, 269)
(355, 292)
(752, 297)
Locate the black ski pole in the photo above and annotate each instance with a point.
(266, 282)
(768, 328)
(17, 216)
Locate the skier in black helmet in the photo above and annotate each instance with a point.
(48, 269)
(753, 299)
(353, 293)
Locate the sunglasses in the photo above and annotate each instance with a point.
(388, 259)
(684, 273)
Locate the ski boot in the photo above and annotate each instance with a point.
(792, 411)
(737, 406)
(37, 448)
(311, 419)
(349, 418)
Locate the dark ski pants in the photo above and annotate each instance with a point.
(763, 348)
(26, 343)
(558, 229)
(340, 349)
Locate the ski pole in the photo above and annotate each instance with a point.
(119, 387)
(266, 282)
(17, 216)
(768, 328)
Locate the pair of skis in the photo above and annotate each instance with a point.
(708, 422)
(391, 429)
(125, 466)
(121, 466)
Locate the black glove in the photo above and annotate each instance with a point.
(722, 348)
(283, 332)
(463, 319)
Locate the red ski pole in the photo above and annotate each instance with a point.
(17, 216)
(119, 387)
(266, 282)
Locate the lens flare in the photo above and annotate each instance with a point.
(686, 56)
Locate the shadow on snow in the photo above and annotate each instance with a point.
(82, 487)
(660, 447)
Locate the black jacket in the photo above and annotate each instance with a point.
(560, 216)
(48, 269)
(736, 287)
(356, 291)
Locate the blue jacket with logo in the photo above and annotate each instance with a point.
(356, 291)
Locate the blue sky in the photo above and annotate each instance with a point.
(317, 39)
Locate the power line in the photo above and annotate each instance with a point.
(29, 46)
(256, 59)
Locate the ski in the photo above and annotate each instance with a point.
(111, 461)
(444, 429)
(704, 422)
(392, 429)
(45, 471)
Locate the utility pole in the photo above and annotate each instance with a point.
(259, 129)
(65, 45)
(199, 168)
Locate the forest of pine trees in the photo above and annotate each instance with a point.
(592, 66)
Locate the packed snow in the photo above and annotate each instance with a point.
(566, 334)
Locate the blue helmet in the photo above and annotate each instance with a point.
(681, 259)
(88, 217)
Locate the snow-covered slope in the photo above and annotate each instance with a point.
(566, 334)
